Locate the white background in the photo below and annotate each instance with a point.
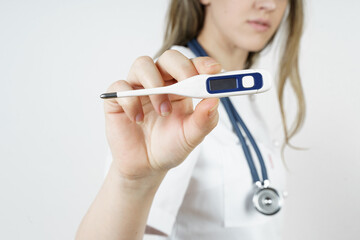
(56, 57)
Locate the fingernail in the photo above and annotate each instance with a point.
(212, 112)
(211, 62)
(165, 108)
(139, 119)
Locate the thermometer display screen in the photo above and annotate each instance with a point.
(223, 84)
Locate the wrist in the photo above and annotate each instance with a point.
(144, 184)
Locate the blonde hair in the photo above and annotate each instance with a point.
(185, 19)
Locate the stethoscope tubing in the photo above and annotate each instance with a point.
(235, 119)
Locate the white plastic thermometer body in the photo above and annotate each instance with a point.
(224, 84)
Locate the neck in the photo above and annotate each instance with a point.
(228, 55)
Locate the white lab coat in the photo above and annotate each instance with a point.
(209, 195)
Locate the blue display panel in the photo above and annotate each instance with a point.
(232, 83)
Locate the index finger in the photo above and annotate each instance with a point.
(174, 65)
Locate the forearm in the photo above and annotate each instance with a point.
(120, 209)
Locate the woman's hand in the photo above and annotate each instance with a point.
(149, 135)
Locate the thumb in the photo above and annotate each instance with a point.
(201, 121)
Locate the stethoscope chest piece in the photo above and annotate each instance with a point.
(267, 201)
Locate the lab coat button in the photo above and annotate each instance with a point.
(285, 194)
(276, 143)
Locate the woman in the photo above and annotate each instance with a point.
(206, 197)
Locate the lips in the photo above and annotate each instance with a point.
(260, 25)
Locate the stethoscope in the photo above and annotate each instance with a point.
(266, 199)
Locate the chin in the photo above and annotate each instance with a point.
(253, 44)
(256, 47)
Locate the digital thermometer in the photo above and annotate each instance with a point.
(220, 85)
